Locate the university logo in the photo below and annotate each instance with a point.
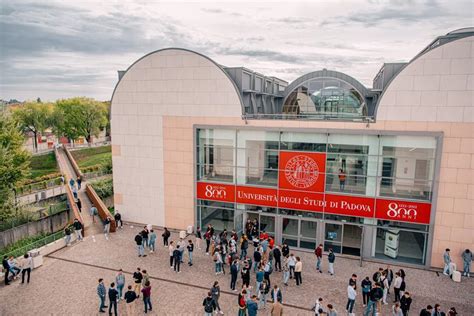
(215, 192)
(301, 171)
(404, 213)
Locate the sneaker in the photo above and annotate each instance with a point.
(139, 255)
(144, 255)
(151, 251)
(320, 271)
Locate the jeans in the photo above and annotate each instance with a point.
(467, 267)
(350, 305)
(278, 264)
(263, 300)
(218, 267)
(79, 234)
(208, 243)
(177, 263)
(233, 281)
(372, 305)
(151, 245)
(147, 303)
(145, 242)
(28, 270)
(385, 292)
(243, 254)
(165, 241)
(286, 276)
(141, 251)
(331, 267)
(120, 289)
(68, 239)
(190, 253)
(318, 264)
(257, 288)
(106, 229)
(365, 297)
(397, 294)
(114, 305)
(446, 268)
(102, 302)
(255, 266)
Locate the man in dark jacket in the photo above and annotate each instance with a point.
(6, 267)
(405, 303)
(139, 242)
(366, 287)
(113, 293)
(78, 229)
(234, 271)
(130, 297)
(176, 259)
(118, 219)
(209, 305)
(375, 296)
(285, 250)
(276, 294)
(427, 311)
(319, 256)
(277, 257)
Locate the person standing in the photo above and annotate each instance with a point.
(318, 307)
(112, 299)
(396, 310)
(146, 277)
(405, 302)
(277, 257)
(120, 280)
(244, 244)
(107, 227)
(190, 252)
(396, 286)
(375, 296)
(366, 285)
(319, 256)
(139, 242)
(467, 259)
(93, 212)
(166, 234)
(26, 266)
(6, 267)
(152, 241)
(72, 182)
(130, 297)
(428, 311)
(146, 291)
(241, 300)
(259, 276)
(447, 261)
(79, 205)
(263, 290)
(216, 293)
(267, 270)
(291, 265)
(145, 237)
(198, 237)
(257, 258)
(209, 305)
(101, 293)
(331, 259)
(171, 253)
(286, 270)
(277, 309)
(342, 179)
(245, 273)
(67, 234)
(234, 270)
(252, 306)
(137, 277)
(78, 229)
(118, 219)
(79, 182)
(177, 259)
(351, 296)
(298, 270)
(384, 281)
(285, 250)
(276, 294)
(331, 310)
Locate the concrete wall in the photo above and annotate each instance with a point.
(50, 224)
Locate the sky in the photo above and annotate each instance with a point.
(58, 49)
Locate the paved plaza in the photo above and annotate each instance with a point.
(66, 283)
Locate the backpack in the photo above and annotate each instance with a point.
(270, 270)
(376, 276)
(208, 307)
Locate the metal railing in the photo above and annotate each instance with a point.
(308, 117)
(33, 245)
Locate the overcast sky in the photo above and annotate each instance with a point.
(59, 49)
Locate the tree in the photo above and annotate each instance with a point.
(14, 162)
(77, 117)
(33, 117)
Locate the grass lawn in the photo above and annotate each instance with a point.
(92, 156)
(42, 165)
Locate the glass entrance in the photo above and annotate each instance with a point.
(343, 238)
(299, 233)
(266, 223)
(333, 237)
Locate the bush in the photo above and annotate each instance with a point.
(104, 188)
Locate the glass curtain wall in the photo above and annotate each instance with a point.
(378, 166)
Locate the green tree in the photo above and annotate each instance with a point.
(33, 117)
(79, 116)
(14, 162)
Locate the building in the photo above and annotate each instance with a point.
(383, 173)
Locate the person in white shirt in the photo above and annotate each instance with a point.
(291, 265)
(26, 265)
(318, 307)
(384, 281)
(171, 249)
(396, 286)
(351, 296)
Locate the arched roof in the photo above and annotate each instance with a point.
(184, 50)
(326, 74)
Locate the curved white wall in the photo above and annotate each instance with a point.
(436, 87)
(169, 82)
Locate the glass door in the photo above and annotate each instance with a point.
(267, 224)
(290, 231)
(308, 234)
(333, 237)
(352, 240)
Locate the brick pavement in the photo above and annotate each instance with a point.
(67, 281)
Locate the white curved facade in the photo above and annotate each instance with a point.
(167, 95)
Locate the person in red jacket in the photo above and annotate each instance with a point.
(319, 255)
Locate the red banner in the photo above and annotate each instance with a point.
(404, 211)
(349, 205)
(257, 196)
(216, 192)
(302, 171)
